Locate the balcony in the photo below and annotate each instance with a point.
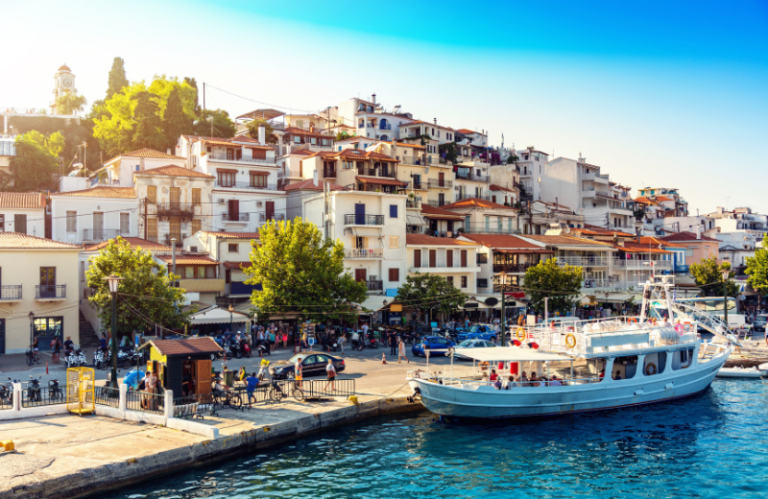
(513, 267)
(476, 177)
(167, 239)
(413, 203)
(436, 203)
(329, 173)
(441, 266)
(175, 209)
(375, 286)
(244, 185)
(222, 156)
(364, 253)
(10, 293)
(418, 186)
(202, 285)
(50, 292)
(603, 284)
(279, 217)
(103, 234)
(357, 219)
(434, 183)
(480, 228)
(412, 160)
(239, 217)
(583, 261)
(377, 172)
(642, 264)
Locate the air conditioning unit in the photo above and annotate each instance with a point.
(222, 201)
(259, 204)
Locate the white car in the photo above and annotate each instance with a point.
(472, 344)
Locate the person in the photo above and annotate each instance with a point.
(251, 382)
(535, 380)
(425, 346)
(602, 374)
(510, 382)
(35, 344)
(56, 345)
(355, 339)
(227, 337)
(331, 370)
(497, 383)
(555, 381)
(272, 337)
(69, 345)
(524, 379)
(298, 372)
(365, 331)
(238, 338)
(103, 342)
(766, 335)
(392, 343)
(150, 384)
(617, 375)
(285, 339)
(342, 340)
(494, 376)
(401, 351)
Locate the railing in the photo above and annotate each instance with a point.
(279, 217)
(36, 397)
(244, 185)
(385, 126)
(512, 267)
(364, 253)
(179, 239)
(376, 172)
(583, 261)
(329, 173)
(439, 184)
(106, 395)
(481, 228)
(440, 263)
(43, 291)
(357, 219)
(435, 203)
(192, 405)
(375, 285)
(221, 156)
(11, 292)
(240, 217)
(174, 208)
(145, 402)
(642, 264)
(316, 388)
(414, 185)
(102, 234)
(413, 203)
(6, 397)
(605, 284)
(412, 160)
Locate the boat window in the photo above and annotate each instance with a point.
(624, 367)
(682, 359)
(654, 363)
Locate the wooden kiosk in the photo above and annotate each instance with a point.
(183, 366)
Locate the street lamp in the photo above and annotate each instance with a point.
(503, 282)
(726, 272)
(114, 281)
(230, 318)
(31, 328)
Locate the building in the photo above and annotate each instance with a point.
(63, 83)
(356, 169)
(38, 291)
(296, 192)
(198, 276)
(7, 151)
(96, 214)
(541, 216)
(530, 165)
(439, 221)
(697, 246)
(669, 199)
(366, 118)
(118, 171)
(451, 258)
(23, 212)
(485, 217)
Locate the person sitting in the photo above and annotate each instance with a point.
(555, 381)
(497, 384)
(524, 379)
(494, 376)
(617, 375)
(534, 381)
(602, 374)
(510, 382)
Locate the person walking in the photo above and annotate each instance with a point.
(56, 345)
(341, 341)
(401, 351)
(331, 370)
(392, 344)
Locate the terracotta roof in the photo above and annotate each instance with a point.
(404, 144)
(663, 198)
(188, 259)
(427, 123)
(502, 241)
(686, 237)
(495, 187)
(146, 153)
(382, 181)
(237, 265)
(174, 171)
(644, 200)
(64, 67)
(567, 240)
(425, 240)
(466, 131)
(101, 191)
(599, 231)
(309, 185)
(17, 240)
(640, 248)
(477, 203)
(300, 131)
(233, 235)
(22, 200)
(655, 240)
(354, 154)
(439, 214)
(303, 152)
(190, 346)
(134, 242)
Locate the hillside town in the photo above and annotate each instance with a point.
(405, 197)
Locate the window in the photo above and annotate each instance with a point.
(152, 193)
(2, 223)
(654, 363)
(226, 179)
(189, 272)
(71, 221)
(175, 228)
(201, 271)
(689, 251)
(20, 224)
(463, 258)
(259, 181)
(196, 197)
(393, 211)
(125, 223)
(624, 367)
(417, 258)
(152, 229)
(232, 248)
(394, 242)
(196, 226)
(449, 279)
(682, 359)
(482, 283)
(394, 275)
(296, 139)
(482, 258)
(463, 282)
(82, 271)
(313, 141)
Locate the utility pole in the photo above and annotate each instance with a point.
(203, 96)
(145, 219)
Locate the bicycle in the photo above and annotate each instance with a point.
(227, 398)
(276, 393)
(33, 357)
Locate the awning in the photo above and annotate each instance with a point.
(217, 315)
(382, 181)
(443, 216)
(415, 220)
(376, 303)
(258, 173)
(509, 354)
(226, 170)
(522, 251)
(366, 231)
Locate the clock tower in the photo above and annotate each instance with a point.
(63, 81)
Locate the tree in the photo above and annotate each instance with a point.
(561, 285)
(430, 292)
(148, 132)
(269, 132)
(222, 125)
(193, 83)
(757, 269)
(512, 159)
(299, 271)
(117, 78)
(175, 121)
(708, 277)
(68, 103)
(147, 287)
(36, 161)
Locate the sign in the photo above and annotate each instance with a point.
(470, 305)
(396, 307)
(311, 342)
(491, 302)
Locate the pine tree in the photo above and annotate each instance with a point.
(175, 122)
(193, 83)
(117, 78)
(148, 132)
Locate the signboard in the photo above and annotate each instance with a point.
(470, 305)
(491, 302)
(396, 307)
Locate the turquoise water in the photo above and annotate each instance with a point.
(712, 445)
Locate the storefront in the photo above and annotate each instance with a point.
(45, 329)
(212, 319)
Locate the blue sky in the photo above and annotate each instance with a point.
(663, 93)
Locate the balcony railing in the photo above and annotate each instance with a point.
(477, 177)
(329, 173)
(175, 209)
(364, 253)
(386, 126)
(413, 203)
(377, 172)
(583, 261)
(512, 267)
(440, 264)
(363, 219)
(239, 217)
(49, 291)
(12, 292)
(102, 234)
(375, 286)
(436, 203)
(167, 238)
(603, 284)
(480, 228)
(244, 185)
(642, 264)
(434, 183)
(415, 185)
(222, 156)
(412, 160)
(280, 217)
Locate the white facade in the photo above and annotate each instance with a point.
(454, 260)
(22, 212)
(84, 218)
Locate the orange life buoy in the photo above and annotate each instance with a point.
(520, 334)
(570, 340)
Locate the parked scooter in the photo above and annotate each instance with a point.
(54, 392)
(33, 390)
(71, 359)
(81, 360)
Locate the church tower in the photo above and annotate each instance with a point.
(63, 81)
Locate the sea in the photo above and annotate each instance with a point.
(713, 445)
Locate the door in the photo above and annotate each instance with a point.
(2, 336)
(359, 214)
(270, 209)
(449, 258)
(463, 258)
(203, 382)
(441, 199)
(361, 275)
(450, 226)
(175, 198)
(20, 224)
(98, 225)
(48, 282)
(433, 258)
(417, 258)
(234, 209)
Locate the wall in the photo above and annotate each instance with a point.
(186, 184)
(85, 207)
(35, 220)
(560, 181)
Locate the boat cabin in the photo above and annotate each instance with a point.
(183, 366)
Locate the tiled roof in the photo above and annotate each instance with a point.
(17, 240)
(640, 248)
(101, 191)
(419, 122)
(233, 235)
(686, 237)
(600, 231)
(425, 240)
(188, 259)
(566, 240)
(661, 199)
(134, 242)
(303, 152)
(300, 131)
(382, 181)
(413, 146)
(190, 346)
(466, 131)
(502, 241)
(477, 203)
(22, 200)
(354, 154)
(237, 265)
(174, 171)
(644, 200)
(655, 240)
(495, 187)
(309, 185)
(439, 214)
(146, 153)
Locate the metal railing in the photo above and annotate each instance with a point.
(357, 219)
(480, 228)
(240, 217)
(329, 173)
(317, 388)
(642, 264)
(244, 185)
(374, 285)
(193, 406)
(11, 292)
(221, 156)
(174, 208)
(477, 177)
(50, 291)
(145, 402)
(583, 261)
(512, 267)
(413, 203)
(179, 239)
(43, 395)
(102, 234)
(412, 160)
(6, 397)
(280, 217)
(377, 172)
(439, 184)
(364, 253)
(106, 395)
(435, 203)
(410, 184)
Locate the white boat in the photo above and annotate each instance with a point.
(646, 361)
(741, 372)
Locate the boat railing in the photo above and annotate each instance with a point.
(470, 384)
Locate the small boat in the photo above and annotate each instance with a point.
(741, 372)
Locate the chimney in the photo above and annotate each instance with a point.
(434, 120)
(314, 178)
(698, 232)
(262, 134)
(373, 99)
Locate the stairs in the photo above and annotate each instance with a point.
(88, 337)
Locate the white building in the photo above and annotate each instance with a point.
(118, 171)
(23, 212)
(367, 119)
(454, 259)
(95, 214)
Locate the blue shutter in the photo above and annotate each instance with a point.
(393, 211)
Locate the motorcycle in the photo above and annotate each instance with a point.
(71, 359)
(6, 393)
(33, 390)
(100, 359)
(54, 392)
(81, 360)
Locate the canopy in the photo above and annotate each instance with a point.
(509, 354)
(376, 303)
(217, 315)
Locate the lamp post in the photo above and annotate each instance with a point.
(726, 272)
(114, 282)
(230, 318)
(503, 330)
(31, 328)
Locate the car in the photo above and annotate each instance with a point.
(759, 323)
(479, 332)
(472, 344)
(438, 345)
(312, 364)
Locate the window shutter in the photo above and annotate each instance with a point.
(394, 275)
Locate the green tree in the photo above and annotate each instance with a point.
(146, 287)
(299, 271)
(561, 285)
(68, 103)
(117, 78)
(708, 277)
(428, 292)
(193, 83)
(222, 125)
(148, 131)
(36, 161)
(757, 269)
(269, 132)
(175, 121)
(512, 159)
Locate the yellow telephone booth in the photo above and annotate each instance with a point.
(80, 390)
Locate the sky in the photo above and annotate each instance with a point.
(657, 93)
